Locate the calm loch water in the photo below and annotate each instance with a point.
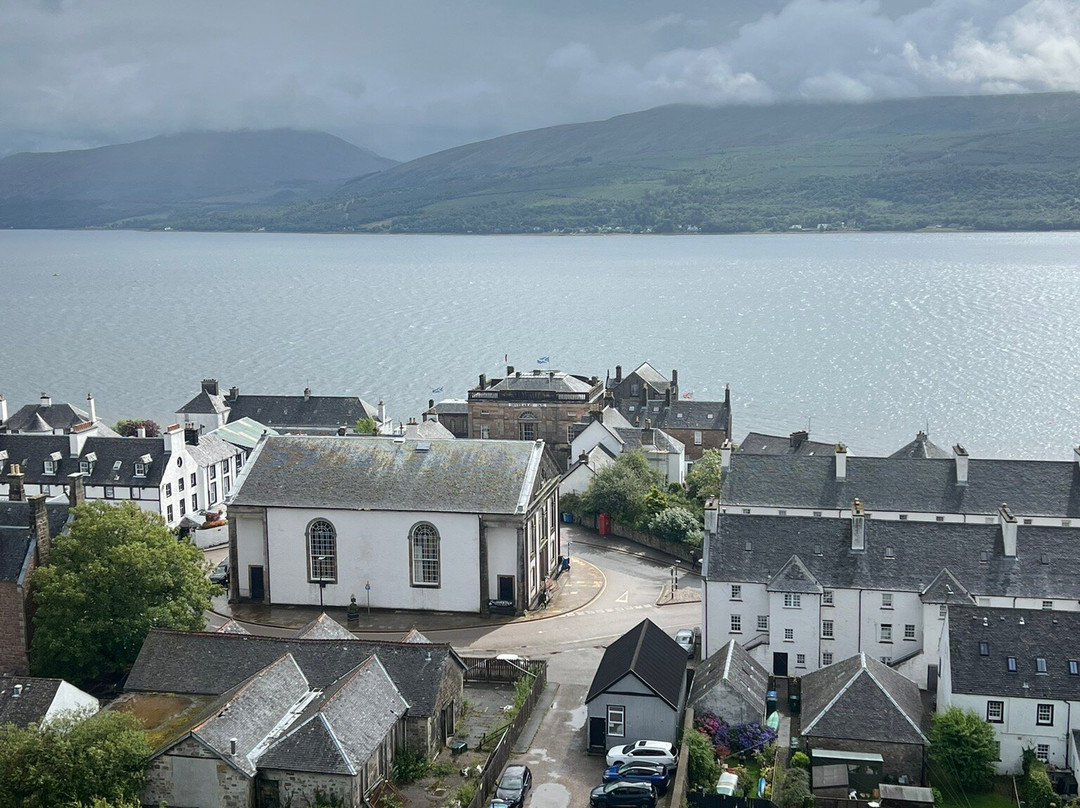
(866, 337)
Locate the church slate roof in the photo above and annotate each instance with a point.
(458, 476)
(1027, 635)
(921, 448)
(1030, 487)
(1045, 563)
(201, 663)
(649, 654)
(861, 699)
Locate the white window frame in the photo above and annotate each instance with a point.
(800, 660)
(736, 592)
(828, 630)
(763, 622)
(826, 658)
(697, 438)
(1044, 715)
(827, 597)
(736, 624)
(425, 562)
(792, 600)
(321, 538)
(1042, 752)
(50, 467)
(886, 600)
(909, 631)
(616, 721)
(885, 632)
(789, 635)
(995, 712)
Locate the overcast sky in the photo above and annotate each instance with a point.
(408, 78)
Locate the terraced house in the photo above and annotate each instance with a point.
(812, 559)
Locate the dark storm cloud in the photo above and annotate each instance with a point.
(410, 78)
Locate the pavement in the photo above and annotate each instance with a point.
(574, 589)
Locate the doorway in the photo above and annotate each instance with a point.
(506, 588)
(597, 733)
(779, 664)
(255, 580)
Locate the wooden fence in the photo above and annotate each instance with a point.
(489, 669)
(724, 801)
(502, 751)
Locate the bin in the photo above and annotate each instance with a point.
(566, 563)
(770, 702)
(794, 702)
(568, 518)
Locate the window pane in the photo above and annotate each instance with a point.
(425, 555)
(322, 548)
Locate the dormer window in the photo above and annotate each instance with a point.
(140, 469)
(50, 467)
(84, 466)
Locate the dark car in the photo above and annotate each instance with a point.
(220, 575)
(640, 771)
(623, 794)
(513, 784)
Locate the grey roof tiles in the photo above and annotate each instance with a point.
(733, 667)
(648, 653)
(315, 412)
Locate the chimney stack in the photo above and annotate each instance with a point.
(509, 370)
(39, 526)
(46, 400)
(1008, 530)
(234, 393)
(210, 387)
(76, 490)
(382, 416)
(3, 410)
(647, 438)
(667, 397)
(93, 409)
(674, 378)
(727, 394)
(797, 439)
(232, 746)
(618, 374)
(307, 394)
(725, 454)
(711, 514)
(341, 430)
(140, 431)
(431, 403)
(191, 434)
(483, 381)
(961, 464)
(841, 461)
(174, 433)
(16, 486)
(1076, 451)
(858, 526)
(583, 458)
(597, 415)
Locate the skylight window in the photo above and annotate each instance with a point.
(1010, 663)
(1040, 665)
(984, 649)
(1074, 667)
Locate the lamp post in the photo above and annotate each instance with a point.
(671, 594)
(367, 589)
(322, 578)
(678, 569)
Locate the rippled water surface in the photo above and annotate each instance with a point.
(866, 337)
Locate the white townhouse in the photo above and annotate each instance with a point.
(1019, 670)
(445, 525)
(608, 428)
(810, 559)
(179, 473)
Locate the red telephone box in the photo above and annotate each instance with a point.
(603, 524)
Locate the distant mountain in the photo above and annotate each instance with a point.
(172, 174)
(986, 162)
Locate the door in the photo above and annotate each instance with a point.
(255, 577)
(506, 588)
(931, 679)
(779, 664)
(597, 734)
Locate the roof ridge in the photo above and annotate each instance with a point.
(838, 694)
(889, 696)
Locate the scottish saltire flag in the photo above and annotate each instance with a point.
(543, 360)
(684, 395)
(437, 390)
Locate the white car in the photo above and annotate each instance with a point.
(655, 751)
(685, 638)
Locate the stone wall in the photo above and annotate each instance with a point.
(689, 554)
(298, 789)
(235, 789)
(13, 658)
(899, 758)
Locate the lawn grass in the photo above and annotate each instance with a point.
(954, 797)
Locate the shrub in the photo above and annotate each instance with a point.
(800, 761)
(465, 792)
(702, 769)
(409, 766)
(796, 788)
(1036, 788)
(961, 742)
(677, 524)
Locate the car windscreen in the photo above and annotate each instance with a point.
(510, 781)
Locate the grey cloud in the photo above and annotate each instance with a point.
(410, 78)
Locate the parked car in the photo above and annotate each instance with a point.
(623, 794)
(685, 638)
(640, 771)
(513, 785)
(220, 574)
(655, 751)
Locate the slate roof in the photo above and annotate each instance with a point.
(1045, 564)
(205, 404)
(32, 705)
(647, 373)
(242, 432)
(921, 448)
(230, 626)
(1030, 487)
(555, 381)
(31, 452)
(459, 476)
(759, 443)
(862, 699)
(296, 412)
(252, 711)
(427, 430)
(1026, 634)
(681, 414)
(37, 418)
(646, 652)
(343, 727)
(324, 627)
(17, 540)
(946, 588)
(733, 668)
(414, 635)
(452, 406)
(209, 450)
(662, 441)
(794, 577)
(201, 663)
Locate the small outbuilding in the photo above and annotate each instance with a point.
(731, 684)
(639, 690)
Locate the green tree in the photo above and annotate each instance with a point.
(118, 572)
(620, 489)
(705, 479)
(655, 501)
(365, 426)
(702, 771)
(129, 428)
(962, 746)
(98, 762)
(677, 524)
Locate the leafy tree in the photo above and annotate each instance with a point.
(98, 762)
(365, 426)
(118, 572)
(677, 524)
(702, 769)
(796, 788)
(1036, 788)
(962, 745)
(655, 501)
(129, 428)
(620, 489)
(706, 477)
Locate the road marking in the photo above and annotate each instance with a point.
(623, 598)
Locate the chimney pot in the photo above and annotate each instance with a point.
(307, 394)
(725, 454)
(210, 387)
(961, 456)
(674, 378)
(16, 485)
(618, 374)
(234, 392)
(431, 403)
(483, 381)
(841, 461)
(341, 431)
(232, 746)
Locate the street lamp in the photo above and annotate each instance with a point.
(678, 569)
(322, 578)
(672, 571)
